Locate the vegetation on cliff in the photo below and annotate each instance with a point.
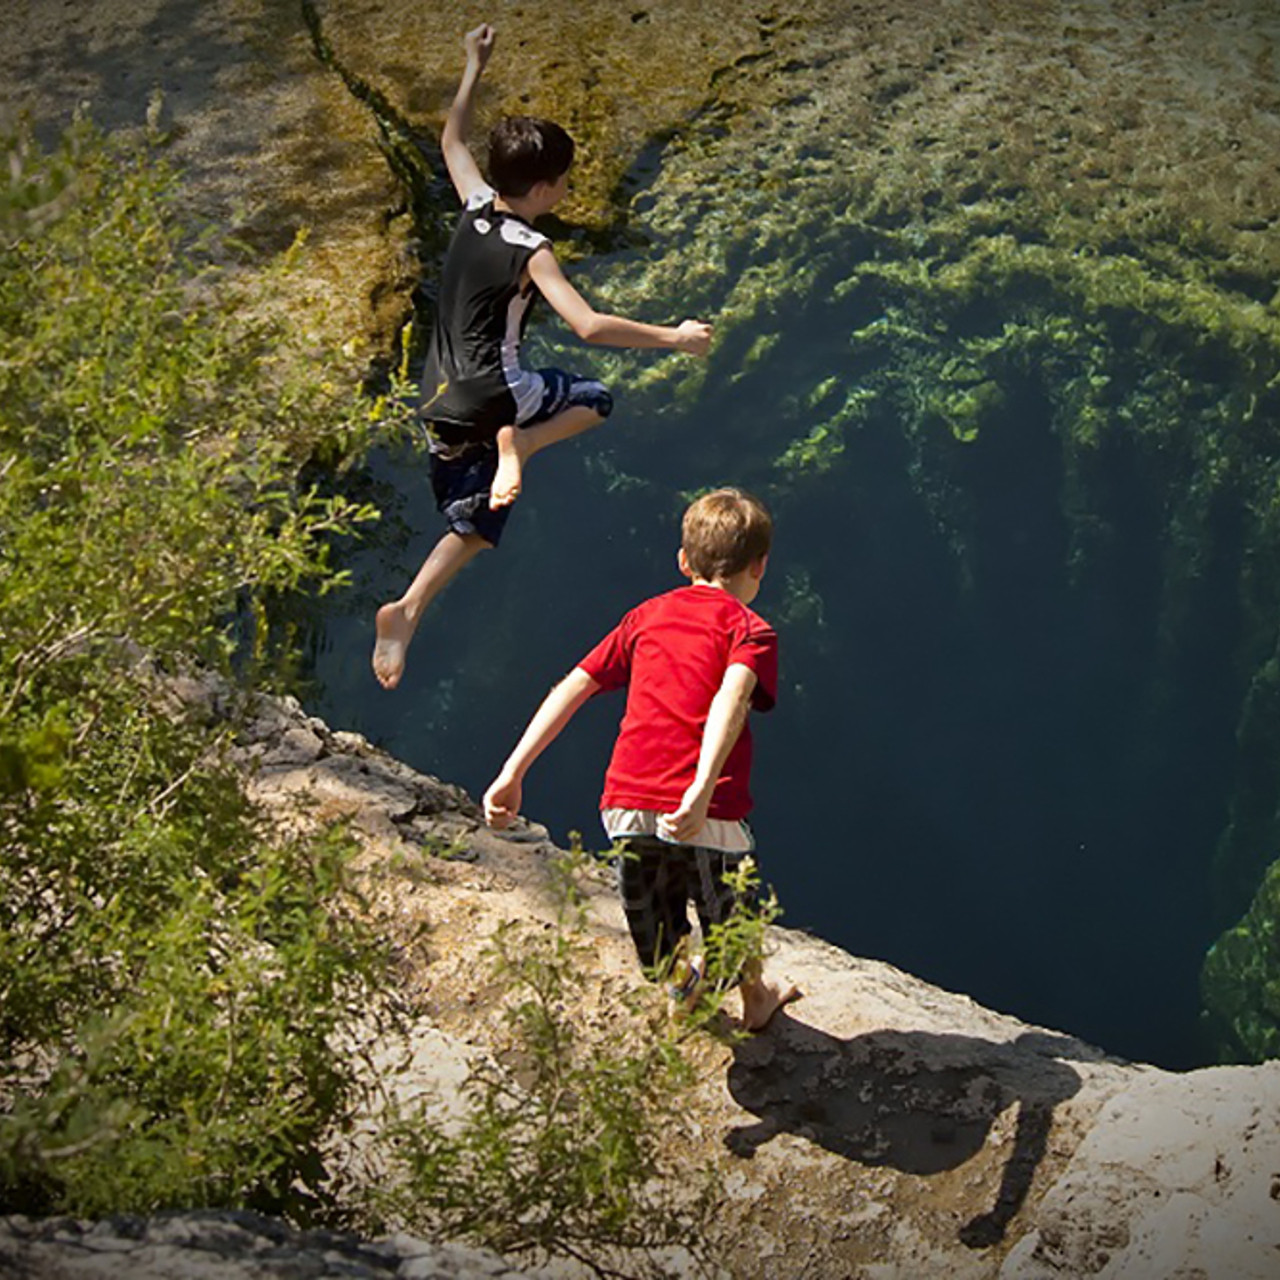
(171, 973)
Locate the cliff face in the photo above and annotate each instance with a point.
(880, 1128)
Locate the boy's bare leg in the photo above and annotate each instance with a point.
(397, 621)
(761, 999)
(516, 445)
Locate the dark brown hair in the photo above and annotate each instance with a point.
(524, 150)
(724, 531)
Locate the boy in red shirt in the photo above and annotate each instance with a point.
(694, 662)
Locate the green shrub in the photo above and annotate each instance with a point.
(172, 976)
(571, 1139)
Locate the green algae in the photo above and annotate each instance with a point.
(816, 452)
(802, 604)
(1240, 982)
(949, 325)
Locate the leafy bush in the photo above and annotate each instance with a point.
(561, 1151)
(572, 1141)
(171, 976)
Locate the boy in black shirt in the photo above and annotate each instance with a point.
(486, 414)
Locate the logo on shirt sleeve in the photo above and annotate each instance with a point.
(518, 234)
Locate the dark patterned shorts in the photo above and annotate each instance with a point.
(462, 475)
(658, 880)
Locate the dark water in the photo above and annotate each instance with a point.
(983, 784)
(1005, 743)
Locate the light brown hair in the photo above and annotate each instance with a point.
(724, 531)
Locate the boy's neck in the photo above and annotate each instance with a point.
(526, 208)
(741, 586)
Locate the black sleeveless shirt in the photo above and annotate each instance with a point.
(473, 383)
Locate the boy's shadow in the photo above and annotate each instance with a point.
(913, 1100)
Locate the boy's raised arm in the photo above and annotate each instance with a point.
(502, 799)
(690, 336)
(463, 170)
(725, 718)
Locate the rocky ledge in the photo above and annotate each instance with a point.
(881, 1128)
(224, 1246)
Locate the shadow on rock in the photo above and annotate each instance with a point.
(916, 1101)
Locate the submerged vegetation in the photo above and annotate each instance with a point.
(1070, 384)
(1153, 400)
(986, 311)
(1241, 980)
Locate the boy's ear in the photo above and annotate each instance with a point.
(683, 561)
(757, 567)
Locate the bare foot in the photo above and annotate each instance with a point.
(761, 1000)
(506, 482)
(394, 633)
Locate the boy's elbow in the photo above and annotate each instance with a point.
(452, 136)
(590, 328)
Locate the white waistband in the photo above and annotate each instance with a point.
(716, 833)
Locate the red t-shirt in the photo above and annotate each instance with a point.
(671, 653)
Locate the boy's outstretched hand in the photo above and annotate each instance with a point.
(693, 337)
(502, 803)
(479, 44)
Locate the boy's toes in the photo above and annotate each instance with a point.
(503, 495)
(505, 488)
(388, 663)
(758, 1011)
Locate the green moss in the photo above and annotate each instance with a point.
(802, 604)
(965, 408)
(817, 451)
(1240, 981)
(760, 347)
